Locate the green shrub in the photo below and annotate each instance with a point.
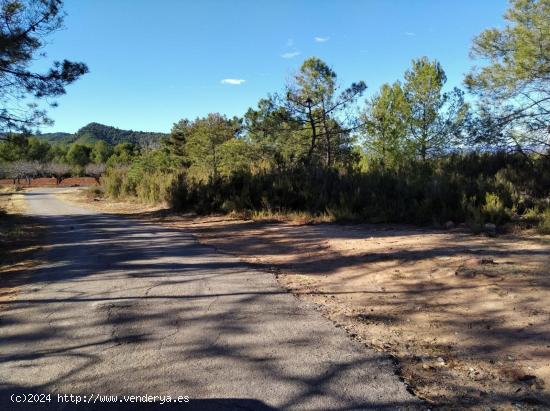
(493, 210)
(149, 186)
(473, 188)
(544, 224)
(154, 188)
(531, 216)
(115, 182)
(474, 216)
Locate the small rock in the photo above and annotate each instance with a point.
(527, 378)
(490, 228)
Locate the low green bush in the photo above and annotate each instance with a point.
(493, 210)
(544, 224)
(472, 188)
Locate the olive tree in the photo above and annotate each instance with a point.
(95, 171)
(59, 171)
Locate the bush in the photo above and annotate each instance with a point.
(544, 224)
(473, 215)
(148, 186)
(493, 210)
(94, 192)
(114, 182)
(475, 188)
(154, 188)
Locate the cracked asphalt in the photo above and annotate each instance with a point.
(122, 307)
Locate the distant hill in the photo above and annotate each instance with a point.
(112, 135)
(57, 137)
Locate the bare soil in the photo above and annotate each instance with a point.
(51, 182)
(467, 317)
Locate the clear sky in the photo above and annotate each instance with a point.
(155, 62)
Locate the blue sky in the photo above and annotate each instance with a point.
(152, 63)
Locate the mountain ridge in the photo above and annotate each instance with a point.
(112, 135)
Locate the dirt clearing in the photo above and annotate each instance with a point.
(467, 317)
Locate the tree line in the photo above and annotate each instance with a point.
(25, 158)
(415, 151)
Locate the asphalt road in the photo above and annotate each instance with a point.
(122, 307)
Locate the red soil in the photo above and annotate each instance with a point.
(50, 182)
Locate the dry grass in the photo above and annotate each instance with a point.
(92, 197)
(21, 239)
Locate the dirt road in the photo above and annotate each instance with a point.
(124, 307)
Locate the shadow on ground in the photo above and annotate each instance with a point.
(128, 275)
(116, 305)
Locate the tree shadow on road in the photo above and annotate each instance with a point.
(112, 287)
(145, 284)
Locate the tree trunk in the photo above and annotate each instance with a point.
(313, 135)
(329, 147)
(327, 138)
(214, 163)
